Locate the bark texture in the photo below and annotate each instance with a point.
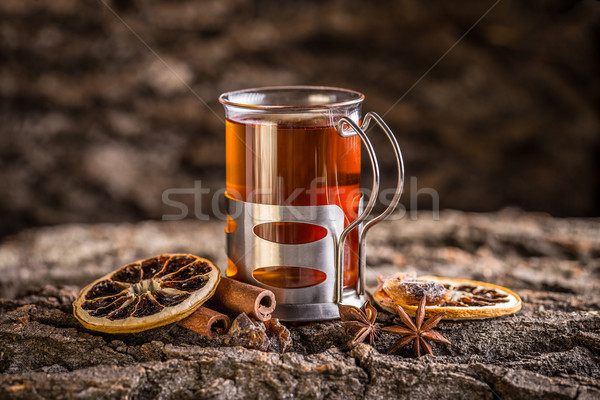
(550, 349)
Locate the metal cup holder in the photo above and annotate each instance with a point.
(250, 252)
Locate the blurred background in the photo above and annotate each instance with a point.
(94, 126)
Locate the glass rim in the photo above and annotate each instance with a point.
(354, 98)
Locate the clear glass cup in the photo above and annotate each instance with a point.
(282, 148)
(293, 167)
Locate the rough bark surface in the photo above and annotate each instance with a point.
(550, 349)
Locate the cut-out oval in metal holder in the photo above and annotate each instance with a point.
(293, 278)
(285, 232)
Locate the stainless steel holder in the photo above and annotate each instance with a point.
(249, 252)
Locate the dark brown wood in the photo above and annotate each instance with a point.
(549, 349)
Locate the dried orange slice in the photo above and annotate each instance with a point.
(411, 291)
(147, 294)
(466, 300)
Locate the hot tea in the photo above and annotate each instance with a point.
(294, 163)
(296, 222)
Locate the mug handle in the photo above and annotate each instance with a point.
(361, 131)
(342, 130)
(362, 247)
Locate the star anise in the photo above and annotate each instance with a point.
(418, 331)
(360, 322)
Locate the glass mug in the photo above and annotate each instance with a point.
(294, 204)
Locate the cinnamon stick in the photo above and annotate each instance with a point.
(236, 297)
(206, 322)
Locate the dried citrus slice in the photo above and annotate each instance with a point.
(411, 291)
(466, 300)
(147, 294)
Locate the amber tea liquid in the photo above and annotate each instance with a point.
(297, 163)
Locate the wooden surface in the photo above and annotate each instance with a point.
(550, 349)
